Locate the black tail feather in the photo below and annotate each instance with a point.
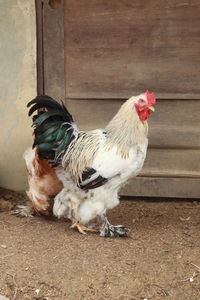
(53, 127)
(48, 103)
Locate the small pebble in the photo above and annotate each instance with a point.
(191, 279)
(3, 246)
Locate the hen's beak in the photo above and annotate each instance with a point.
(151, 108)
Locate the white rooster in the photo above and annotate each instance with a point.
(91, 165)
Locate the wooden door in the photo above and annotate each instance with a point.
(95, 54)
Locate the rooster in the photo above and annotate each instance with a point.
(85, 169)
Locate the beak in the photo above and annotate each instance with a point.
(151, 108)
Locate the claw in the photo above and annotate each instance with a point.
(82, 228)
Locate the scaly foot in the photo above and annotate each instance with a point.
(108, 230)
(114, 231)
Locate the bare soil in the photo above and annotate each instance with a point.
(43, 258)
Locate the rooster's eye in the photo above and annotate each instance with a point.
(142, 101)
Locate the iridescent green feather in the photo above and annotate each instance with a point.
(53, 127)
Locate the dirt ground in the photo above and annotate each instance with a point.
(43, 258)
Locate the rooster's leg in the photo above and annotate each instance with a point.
(75, 219)
(108, 230)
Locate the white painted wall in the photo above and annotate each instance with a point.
(17, 87)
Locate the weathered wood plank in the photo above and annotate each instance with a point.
(172, 163)
(40, 56)
(53, 50)
(163, 187)
(116, 48)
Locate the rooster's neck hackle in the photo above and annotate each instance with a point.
(126, 130)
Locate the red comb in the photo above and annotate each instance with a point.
(150, 98)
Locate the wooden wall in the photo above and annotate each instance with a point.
(98, 53)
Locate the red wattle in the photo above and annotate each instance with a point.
(144, 114)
